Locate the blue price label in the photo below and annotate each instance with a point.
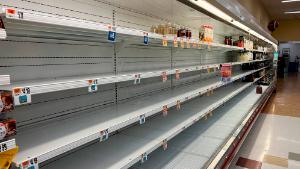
(146, 40)
(112, 36)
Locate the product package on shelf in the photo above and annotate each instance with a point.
(226, 72)
(6, 102)
(7, 128)
(245, 56)
(206, 33)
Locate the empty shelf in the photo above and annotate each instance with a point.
(126, 148)
(194, 147)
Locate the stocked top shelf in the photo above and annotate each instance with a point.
(197, 145)
(58, 137)
(128, 146)
(24, 23)
(59, 84)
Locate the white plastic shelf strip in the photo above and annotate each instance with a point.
(59, 84)
(194, 147)
(29, 17)
(125, 149)
(61, 136)
(4, 80)
(2, 33)
(7, 145)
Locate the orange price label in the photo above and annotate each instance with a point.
(175, 42)
(165, 41)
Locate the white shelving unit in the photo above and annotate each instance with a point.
(62, 122)
(55, 141)
(126, 148)
(66, 83)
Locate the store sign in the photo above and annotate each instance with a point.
(30, 164)
(21, 96)
(93, 85)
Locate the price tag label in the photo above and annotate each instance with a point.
(7, 145)
(178, 105)
(188, 44)
(165, 144)
(144, 157)
(182, 43)
(194, 44)
(199, 45)
(146, 38)
(12, 13)
(93, 85)
(21, 96)
(175, 42)
(177, 74)
(103, 135)
(165, 41)
(165, 110)
(164, 76)
(30, 164)
(142, 119)
(112, 34)
(137, 79)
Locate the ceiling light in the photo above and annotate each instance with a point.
(286, 1)
(292, 12)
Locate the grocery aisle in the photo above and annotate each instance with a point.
(274, 142)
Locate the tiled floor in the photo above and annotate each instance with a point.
(274, 141)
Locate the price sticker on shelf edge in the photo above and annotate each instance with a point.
(165, 41)
(112, 34)
(182, 43)
(12, 13)
(146, 38)
(188, 44)
(175, 42)
(164, 76)
(194, 44)
(137, 79)
(7, 145)
(178, 105)
(177, 74)
(165, 110)
(142, 119)
(30, 164)
(103, 135)
(21, 95)
(144, 157)
(93, 85)
(165, 144)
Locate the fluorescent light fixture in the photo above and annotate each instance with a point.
(286, 1)
(215, 11)
(292, 12)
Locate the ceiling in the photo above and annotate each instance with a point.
(276, 9)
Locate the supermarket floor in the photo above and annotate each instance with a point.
(274, 142)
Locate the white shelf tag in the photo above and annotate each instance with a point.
(165, 144)
(142, 119)
(137, 79)
(144, 157)
(7, 145)
(30, 164)
(93, 85)
(21, 96)
(104, 135)
(4, 79)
